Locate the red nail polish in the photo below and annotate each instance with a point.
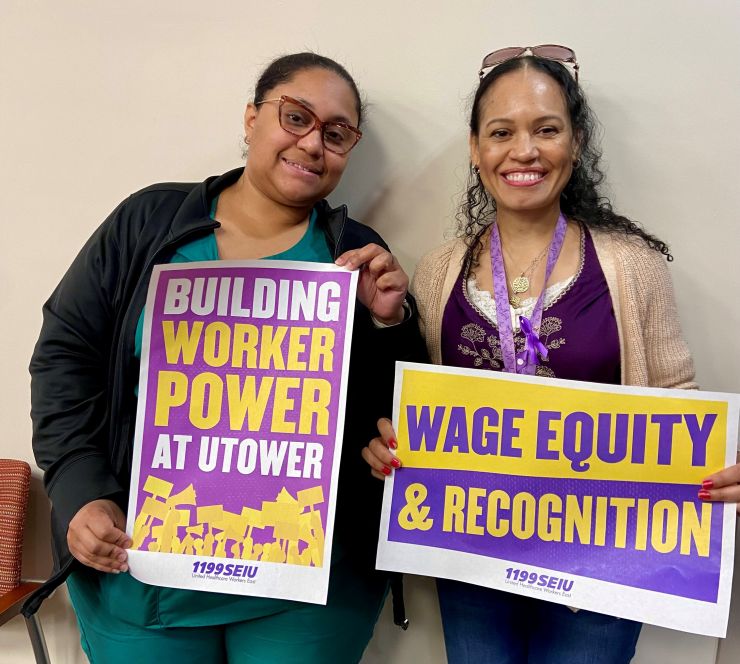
(386, 470)
(704, 495)
(395, 463)
(707, 484)
(392, 443)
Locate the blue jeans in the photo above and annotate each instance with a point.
(484, 626)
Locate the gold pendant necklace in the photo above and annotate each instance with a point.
(520, 284)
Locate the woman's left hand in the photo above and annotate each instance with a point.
(723, 486)
(382, 284)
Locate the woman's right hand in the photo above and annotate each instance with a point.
(378, 453)
(97, 537)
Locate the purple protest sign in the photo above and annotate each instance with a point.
(566, 491)
(239, 426)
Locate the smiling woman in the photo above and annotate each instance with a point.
(297, 169)
(525, 148)
(300, 128)
(546, 279)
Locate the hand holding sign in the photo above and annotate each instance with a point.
(723, 486)
(96, 536)
(378, 453)
(383, 283)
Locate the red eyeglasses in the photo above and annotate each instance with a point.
(299, 120)
(548, 51)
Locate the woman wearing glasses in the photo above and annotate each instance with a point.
(585, 288)
(300, 130)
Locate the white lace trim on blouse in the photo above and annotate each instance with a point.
(486, 304)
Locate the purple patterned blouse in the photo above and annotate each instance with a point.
(578, 328)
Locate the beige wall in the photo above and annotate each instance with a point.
(98, 99)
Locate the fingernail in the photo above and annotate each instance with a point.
(395, 463)
(116, 571)
(121, 557)
(386, 470)
(392, 443)
(707, 484)
(124, 568)
(340, 261)
(704, 495)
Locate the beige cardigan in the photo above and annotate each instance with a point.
(652, 350)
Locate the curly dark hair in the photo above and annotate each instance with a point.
(580, 200)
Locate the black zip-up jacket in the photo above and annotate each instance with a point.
(83, 369)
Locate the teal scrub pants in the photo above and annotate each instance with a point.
(122, 621)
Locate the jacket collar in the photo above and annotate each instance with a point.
(194, 213)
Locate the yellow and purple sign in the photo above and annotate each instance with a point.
(571, 492)
(239, 426)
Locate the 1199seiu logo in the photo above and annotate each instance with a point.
(550, 584)
(229, 571)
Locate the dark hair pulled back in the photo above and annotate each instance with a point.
(581, 199)
(284, 68)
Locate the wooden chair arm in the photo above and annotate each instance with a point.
(11, 602)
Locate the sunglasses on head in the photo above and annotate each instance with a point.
(555, 52)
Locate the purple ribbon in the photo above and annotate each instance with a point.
(526, 361)
(534, 346)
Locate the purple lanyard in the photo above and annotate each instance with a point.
(526, 361)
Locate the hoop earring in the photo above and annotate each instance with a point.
(577, 164)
